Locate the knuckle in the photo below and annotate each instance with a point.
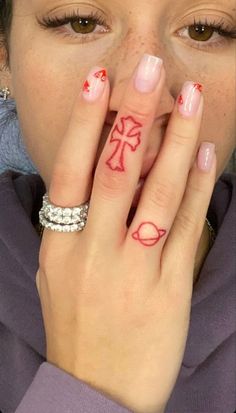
(52, 268)
(179, 297)
(141, 113)
(63, 177)
(81, 118)
(196, 190)
(109, 184)
(186, 221)
(180, 139)
(46, 260)
(51, 255)
(161, 194)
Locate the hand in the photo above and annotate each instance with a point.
(116, 300)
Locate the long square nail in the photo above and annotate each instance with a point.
(94, 85)
(148, 73)
(189, 99)
(206, 156)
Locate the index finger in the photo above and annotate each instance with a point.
(72, 172)
(73, 169)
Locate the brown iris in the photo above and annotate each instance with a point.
(201, 33)
(84, 26)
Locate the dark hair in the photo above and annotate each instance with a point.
(6, 11)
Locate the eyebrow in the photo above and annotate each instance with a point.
(208, 3)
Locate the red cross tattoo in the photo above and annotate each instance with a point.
(126, 135)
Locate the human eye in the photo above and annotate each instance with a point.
(205, 34)
(77, 25)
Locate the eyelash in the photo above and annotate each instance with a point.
(55, 22)
(220, 28)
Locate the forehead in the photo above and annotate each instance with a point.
(128, 4)
(135, 7)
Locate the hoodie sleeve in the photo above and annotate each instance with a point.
(54, 390)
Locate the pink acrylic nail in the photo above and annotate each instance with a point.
(206, 156)
(189, 99)
(94, 85)
(148, 73)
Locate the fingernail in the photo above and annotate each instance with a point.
(206, 156)
(94, 85)
(148, 73)
(189, 99)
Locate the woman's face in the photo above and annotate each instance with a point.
(48, 66)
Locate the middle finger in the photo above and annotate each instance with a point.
(120, 164)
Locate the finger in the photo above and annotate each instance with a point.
(73, 168)
(186, 231)
(166, 183)
(119, 167)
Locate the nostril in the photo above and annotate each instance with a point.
(163, 120)
(110, 118)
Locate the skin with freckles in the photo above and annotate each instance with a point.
(55, 67)
(56, 62)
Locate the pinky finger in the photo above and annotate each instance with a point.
(182, 243)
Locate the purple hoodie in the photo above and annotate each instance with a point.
(28, 384)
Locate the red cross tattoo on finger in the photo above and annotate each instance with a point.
(148, 234)
(126, 134)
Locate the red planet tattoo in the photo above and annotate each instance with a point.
(148, 234)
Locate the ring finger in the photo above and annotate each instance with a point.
(166, 183)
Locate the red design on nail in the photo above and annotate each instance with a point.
(101, 74)
(198, 86)
(148, 234)
(86, 87)
(126, 134)
(180, 100)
